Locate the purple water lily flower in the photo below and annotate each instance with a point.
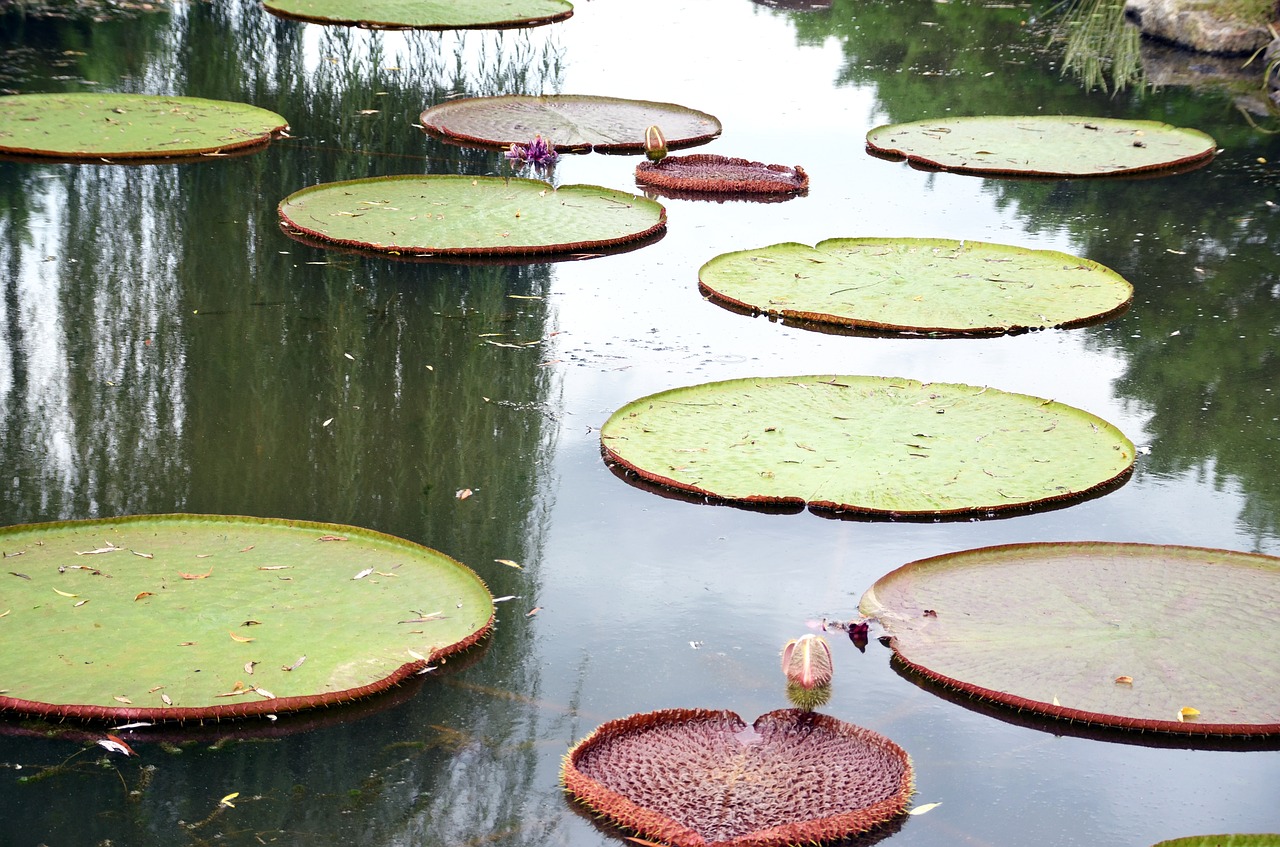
(539, 153)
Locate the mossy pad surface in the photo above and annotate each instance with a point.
(129, 126)
(192, 617)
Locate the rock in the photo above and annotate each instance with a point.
(1196, 25)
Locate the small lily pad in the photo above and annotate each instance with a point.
(919, 285)
(696, 777)
(570, 123)
(876, 446)
(193, 617)
(1043, 145)
(705, 173)
(130, 126)
(425, 14)
(1130, 636)
(450, 215)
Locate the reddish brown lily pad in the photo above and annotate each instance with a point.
(711, 174)
(697, 777)
(1131, 636)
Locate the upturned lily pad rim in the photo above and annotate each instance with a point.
(523, 23)
(188, 152)
(675, 141)
(97, 713)
(1180, 164)
(629, 814)
(868, 606)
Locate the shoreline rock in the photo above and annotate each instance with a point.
(1195, 25)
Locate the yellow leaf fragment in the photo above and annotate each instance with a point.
(1188, 712)
(120, 698)
(142, 594)
(920, 810)
(508, 563)
(241, 638)
(226, 801)
(1124, 680)
(64, 594)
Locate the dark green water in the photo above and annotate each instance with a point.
(164, 347)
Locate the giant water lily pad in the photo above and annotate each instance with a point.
(192, 617)
(129, 126)
(1043, 145)
(1144, 637)
(463, 215)
(873, 445)
(1231, 840)
(928, 285)
(696, 777)
(569, 122)
(425, 14)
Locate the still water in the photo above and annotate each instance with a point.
(166, 348)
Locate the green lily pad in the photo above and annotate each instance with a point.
(879, 446)
(130, 126)
(1043, 145)
(571, 123)
(928, 285)
(1131, 636)
(463, 215)
(425, 14)
(1234, 840)
(191, 617)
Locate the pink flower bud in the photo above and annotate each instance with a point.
(807, 662)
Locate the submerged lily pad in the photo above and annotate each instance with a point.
(705, 173)
(696, 777)
(923, 285)
(1133, 636)
(571, 123)
(129, 126)
(1043, 145)
(425, 14)
(879, 446)
(463, 215)
(191, 617)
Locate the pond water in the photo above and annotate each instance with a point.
(165, 348)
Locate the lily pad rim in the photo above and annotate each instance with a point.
(299, 703)
(1172, 167)
(789, 504)
(822, 320)
(391, 26)
(1077, 716)
(613, 148)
